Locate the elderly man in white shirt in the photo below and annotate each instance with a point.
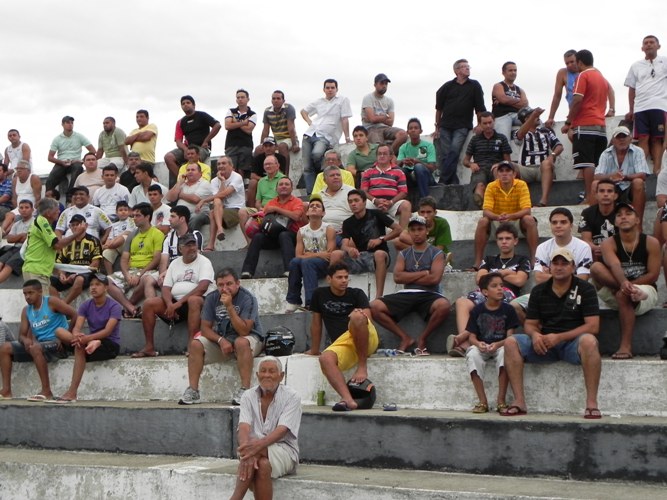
(267, 433)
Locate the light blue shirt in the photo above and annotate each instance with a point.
(633, 163)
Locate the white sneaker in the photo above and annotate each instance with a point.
(189, 397)
(246, 276)
(236, 399)
(290, 308)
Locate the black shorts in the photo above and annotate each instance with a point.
(587, 146)
(403, 303)
(61, 287)
(12, 258)
(181, 312)
(108, 350)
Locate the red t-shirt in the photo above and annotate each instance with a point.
(594, 88)
(293, 204)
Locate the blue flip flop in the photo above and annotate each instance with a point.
(341, 406)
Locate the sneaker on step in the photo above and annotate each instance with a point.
(246, 275)
(190, 397)
(236, 399)
(290, 308)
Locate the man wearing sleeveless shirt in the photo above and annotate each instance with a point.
(419, 269)
(626, 279)
(508, 99)
(37, 338)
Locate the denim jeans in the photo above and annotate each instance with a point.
(308, 270)
(312, 152)
(451, 143)
(423, 178)
(503, 125)
(286, 242)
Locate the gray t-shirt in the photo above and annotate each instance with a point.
(246, 306)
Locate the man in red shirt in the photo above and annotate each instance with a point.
(283, 216)
(587, 119)
(386, 187)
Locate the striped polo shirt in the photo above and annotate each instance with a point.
(383, 184)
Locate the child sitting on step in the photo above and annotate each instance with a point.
(489, 325)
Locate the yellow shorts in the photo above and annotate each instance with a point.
(346, 351)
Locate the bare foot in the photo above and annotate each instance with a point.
(92, 346)
(359, 376)
(638, 295)
(406, 344)
(5, 395)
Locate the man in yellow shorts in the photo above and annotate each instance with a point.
(346, 315)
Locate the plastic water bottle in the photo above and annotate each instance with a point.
(389, 353)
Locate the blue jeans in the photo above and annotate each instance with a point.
(503, 125)
(308, 270)
(421, 176)
(312, 152)
(451, 143)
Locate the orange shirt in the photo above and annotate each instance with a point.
(293, 204)
(593, 87)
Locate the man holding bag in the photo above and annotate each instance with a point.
(283, 216)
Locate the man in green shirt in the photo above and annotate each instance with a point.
(266, 186)
(417, 159)
(138, 262)
(439, 233)
(364, 156)
(42, 244)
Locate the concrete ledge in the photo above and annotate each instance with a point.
(628, 388)
(563, 447)
(121, 476)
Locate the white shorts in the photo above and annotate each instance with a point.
(281, 462)
(119, 280)
(394, 208)
(213, 353)
(476, 360)
(607, 296)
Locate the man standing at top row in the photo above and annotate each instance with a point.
(587, 119)
(331, 119)
(377, 115)
(508, 99)
(455, 102)
(196, 128)
(647, 93)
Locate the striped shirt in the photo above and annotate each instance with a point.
(384, 184)
(537, 145)
(81, 253)
(277, 120)
(487, 152)
(500, 201)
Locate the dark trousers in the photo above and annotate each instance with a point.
(59, 174)
(286, 242)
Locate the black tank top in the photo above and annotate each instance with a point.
(502, 109)
(634, 264)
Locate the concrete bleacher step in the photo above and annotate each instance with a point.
(79, 475)
(627, 388)
(625, 449)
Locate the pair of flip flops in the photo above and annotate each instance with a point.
(129, 315)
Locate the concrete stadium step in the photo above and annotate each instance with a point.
(79, 475)
(647, 340)
(627, 388)
(625, 449)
